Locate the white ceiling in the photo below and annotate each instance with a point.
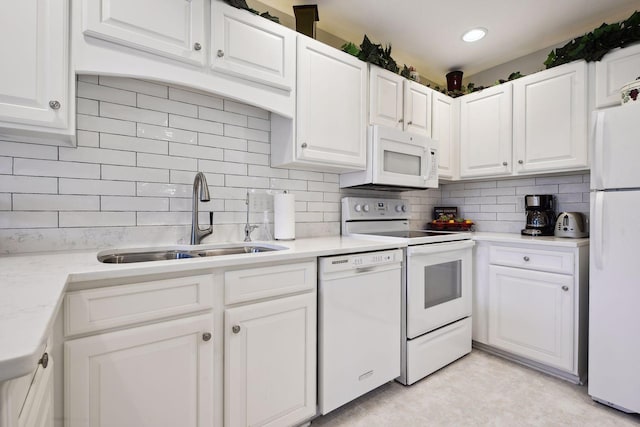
(427, 33)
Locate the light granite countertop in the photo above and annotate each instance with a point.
(530, 240)
(32, 286)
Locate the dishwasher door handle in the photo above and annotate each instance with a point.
(364, 270)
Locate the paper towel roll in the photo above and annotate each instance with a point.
(284, 212)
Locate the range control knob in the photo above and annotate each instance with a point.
(404, 208)
(366, 208)
(357, 208)
(398, 208)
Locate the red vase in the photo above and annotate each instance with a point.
(454, 80)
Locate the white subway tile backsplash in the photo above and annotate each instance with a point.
(245, 157)
(87, 139)
(55, 168)
(257, 170)
(5, 202)
(309, 217)
(185, 177)
(574, 188)
(248, 110)
(88, 79)
(123, 203)
(163, 218)
(133, 144)
(97, 219)
(96, 186)
(195, 151)
(329, 187)
(98, 155)
(516, 182)
(134, 85)
(260, 124)
(153, 189)
(192, 97)
(6, 165)
(331, 177)
(568, 179)
(222, 167)
(28, 219)
(245, 133)
(30, 151)
(503, 191)
(128, 173)
(331, 216)
(160, 161)
(306, 175)
(145, 130)
(310, 196)
(104, 93)
(55, 202)
(288, 184)
(123, 112)
(537, 189)
(167, 105)
(246, 181)
(222, 116)
(27, 184)
(87, 106)
(220, 141)
(323, 207)
(258, 147)
(103, 124)
(196, 125)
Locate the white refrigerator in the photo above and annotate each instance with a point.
(614, 265)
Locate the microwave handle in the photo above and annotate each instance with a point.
(432, 164)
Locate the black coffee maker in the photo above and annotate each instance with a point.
(541, 215)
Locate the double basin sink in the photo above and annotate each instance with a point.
(144, 255)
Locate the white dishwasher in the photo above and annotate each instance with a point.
(358, 325)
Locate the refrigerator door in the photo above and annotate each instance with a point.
(616, 149)
(614, 299)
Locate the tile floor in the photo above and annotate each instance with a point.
(479, 390)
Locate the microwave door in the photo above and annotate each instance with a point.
(400, 164)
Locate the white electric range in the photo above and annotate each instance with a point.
(436, 283)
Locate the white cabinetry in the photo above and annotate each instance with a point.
(36, 98)
(258, 50)
(270, 346)
(445, 125)
(617, 68)
(486, 132)
(398, 102)
(175, 30)
(530, 304)
(329, 130)
(550, 120)
(143, 373)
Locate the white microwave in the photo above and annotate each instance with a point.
(396, 160)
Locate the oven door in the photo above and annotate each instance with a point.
(402, 159)
(438, 285)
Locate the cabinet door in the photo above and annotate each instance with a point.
(252, 47)
(33, 79)
(331, 106)
(38, 406)
(385, 98)
(486, 132)
(531, 314)
(155, 375)
(616, 69)
(270, 362)
(417, 108)
(550, 119)
(174, 29)
(444, 125)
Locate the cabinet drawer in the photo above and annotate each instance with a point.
(534, 259)
(97, 309)
(264, 282)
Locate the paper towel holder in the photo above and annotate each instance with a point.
(284, 231)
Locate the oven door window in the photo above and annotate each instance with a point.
(401, 163)
(442, 283)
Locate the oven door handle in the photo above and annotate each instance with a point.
(436, 248)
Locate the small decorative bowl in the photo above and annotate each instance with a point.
(630, 91)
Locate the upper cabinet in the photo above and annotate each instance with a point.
(264, 53)
(550, 119)
(36, 97)
(486, 132)
(445, 130)
(329, 130)
(175, 30)
(616, 69)
(398, 102)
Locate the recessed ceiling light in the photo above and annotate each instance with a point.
(474, 35)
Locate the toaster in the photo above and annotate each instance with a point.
(571, 224)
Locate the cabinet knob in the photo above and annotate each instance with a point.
(520, 162)
(565, 288)
(220, 53)
(197, 46)
(54, 105)
(44, 360)
(400, 121)
(409, 122)
(206, 336)
(303, 145)
(235, 329)
(504, 163)
(526, 258)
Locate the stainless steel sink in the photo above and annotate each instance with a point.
(141, 255)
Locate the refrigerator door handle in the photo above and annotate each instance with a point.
(598, 155)
(598, 228)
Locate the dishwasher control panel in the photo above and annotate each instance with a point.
(360, 261)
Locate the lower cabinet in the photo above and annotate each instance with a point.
(153, 375)
(270, 362)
